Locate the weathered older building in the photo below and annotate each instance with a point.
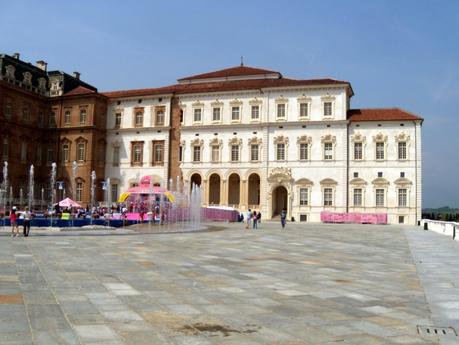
(50, 116)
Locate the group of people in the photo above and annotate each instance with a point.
(14, 215)
(254, 218)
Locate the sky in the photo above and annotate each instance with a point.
(394, 53)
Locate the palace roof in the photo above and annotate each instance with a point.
(381, 114)
(238, 71)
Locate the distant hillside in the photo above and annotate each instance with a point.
(444, 209)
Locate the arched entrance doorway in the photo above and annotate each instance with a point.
(279, 200)
(234, 189)
(214, 189)
(254, 191)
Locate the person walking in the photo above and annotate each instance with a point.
(249, 218)
(283, 216)
(258, 218)
(14, 222)
(255, 220)
(27, 218)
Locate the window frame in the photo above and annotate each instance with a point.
(403, 150)
(154, 158)
(281, 154)
(302, 191)
(380, 199)
(360, 195)
(328, 192)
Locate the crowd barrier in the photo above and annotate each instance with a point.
(116, 220)
(353, 218)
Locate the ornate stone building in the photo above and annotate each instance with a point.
(254, 139)
(250, 137)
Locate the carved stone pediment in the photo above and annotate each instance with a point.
(236, 102)
(304, 139)
(358, 182)
(403, 181)
(235, 141)
(402, 137)
(215, 141)
(255, 101)
(280, 139)
(281, 100)
(255, 141)
(304, 182)
(328, 138)
(358, 137)
(380, 137)
(328, 182)
(380, 181)
(27, 78)
(280, 174)
(197, 142)
(10, 69)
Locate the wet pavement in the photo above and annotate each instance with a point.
(310, 284)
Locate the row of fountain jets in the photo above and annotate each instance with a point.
(30, 195)
(184, 194)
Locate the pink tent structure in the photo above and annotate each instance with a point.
(67, 202)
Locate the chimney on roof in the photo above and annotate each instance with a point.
(77, 75)
(16, 56)
(42, 65)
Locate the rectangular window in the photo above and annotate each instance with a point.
(65, 153)
(281, 111)
(402, 197)
(197, 116)
(137, 153)
(280, 152)
(67, 118)
(159, 117)
(158, 152)
(215, 153)
(81, 152)
(304, 197)
(116, 156)
(25, 113)
(38, 155)
(49, 155)
(196, 153)
(402, 150)
(357, 197)
(138, 122)
(5, 149)
(304, 151)
(379, 197)
(255, 114)
(23, 152)
(304, 110)
(380, 150)
(235, 113)
(118, 120)
(79, 191)
(328, 108)
(180, 153)
(328, 151)
(328, 196)
(8, 108)
(401, 219)
(358, 151)
(254, 152)
(83, 114)
(234, 153)
(114, 190)
(52, 119)
(216, 114)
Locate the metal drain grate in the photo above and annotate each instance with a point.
(436, 331)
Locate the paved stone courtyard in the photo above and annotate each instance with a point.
(311, 284)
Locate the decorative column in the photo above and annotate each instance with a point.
(224, 193)
(205, 186)
(243, 195)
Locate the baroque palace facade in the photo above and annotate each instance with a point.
(249, 137)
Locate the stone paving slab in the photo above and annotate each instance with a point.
(310, 284)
